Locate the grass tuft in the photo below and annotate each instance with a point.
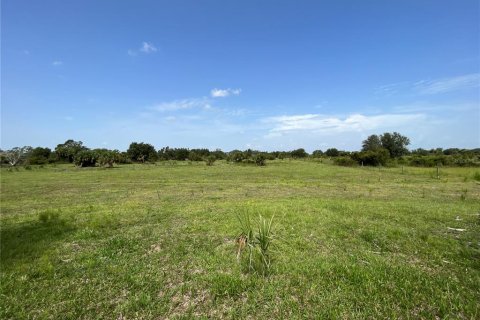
(256, 238)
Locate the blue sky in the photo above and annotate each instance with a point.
(269, 75)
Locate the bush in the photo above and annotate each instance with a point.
(476, 176)
(372, 157)
(195, 156)
(344, 161)
(107, 157)
(236, 156)
(210, 160)
(86, 158)
(259, 159)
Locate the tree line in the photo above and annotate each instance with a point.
(376, 150)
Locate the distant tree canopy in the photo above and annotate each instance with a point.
(384, 149)
(16, 155)
(86, 158)
(107, 157)
(394, 143)
(317, 153)
(299, 153)
(141, 152)
(372, 143)
(40, 155)
(332, 152)
(67, 150)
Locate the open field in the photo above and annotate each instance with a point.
(158, 241)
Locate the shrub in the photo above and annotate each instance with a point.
(236, 156)
(210, 160)
(344, 161)
(372, 157)
(107, 157)
(259, 159)
(86, 158)
(476, 176)
(194, 156)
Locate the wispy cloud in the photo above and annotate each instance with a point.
(146, 48)
(354, 122)
(57, 63)
(221, 93)
(448, 84)
(430, 87)
(182, 104)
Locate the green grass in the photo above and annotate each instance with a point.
(158, 241)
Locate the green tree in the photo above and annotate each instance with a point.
(39, 155)
(86, 158)
(141, 152)
(317, 153)
(259, 159)
(108, 158)
(395, 143)
(299, 153)
(17, 155)
(67, 151)
(332, 152)
(372, 143)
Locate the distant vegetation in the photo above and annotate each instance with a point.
(388, 149)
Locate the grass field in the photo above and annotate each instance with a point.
(158, 241)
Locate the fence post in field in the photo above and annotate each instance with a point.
(438, 172)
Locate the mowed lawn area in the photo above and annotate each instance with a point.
(159, 241)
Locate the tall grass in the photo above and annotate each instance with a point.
(256, 239)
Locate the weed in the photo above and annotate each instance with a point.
(476, 176)
(257, 240)
(48, 216)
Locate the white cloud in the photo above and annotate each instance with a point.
(181, 105)
(448, 84)
(322, 123)
(148, 47)
(221, 93)
(57, 63)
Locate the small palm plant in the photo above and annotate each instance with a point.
(257, 241)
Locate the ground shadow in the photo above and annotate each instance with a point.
(28, 241)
